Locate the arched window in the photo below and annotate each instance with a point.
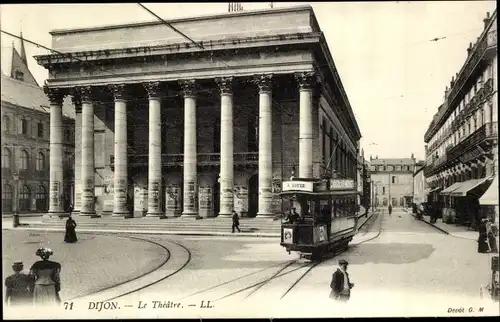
(24, 160)
(7, 198)
(24, 199)
(6, 124)
(24, 126)
(40, 161)
(6, 158)
(41, 198)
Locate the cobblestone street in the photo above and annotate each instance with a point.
(408, 260)
(94, 262)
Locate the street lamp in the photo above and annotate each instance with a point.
(16, 212)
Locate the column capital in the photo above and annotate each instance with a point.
(225, 84)
(55, 95)
(119, 91)
(86, 93)
(77, 101)
(188, 87)
(264, 81)
(306, 80)
(153, 89)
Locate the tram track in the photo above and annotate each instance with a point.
(285, 270)
(126, 285)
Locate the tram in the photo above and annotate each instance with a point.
(322, 216)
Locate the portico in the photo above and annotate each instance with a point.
(167, 131)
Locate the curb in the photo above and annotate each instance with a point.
(428, 223)
(161, 232)
(150, 232)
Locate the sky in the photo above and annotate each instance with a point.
(393, 74)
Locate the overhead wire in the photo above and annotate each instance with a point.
(208, 90)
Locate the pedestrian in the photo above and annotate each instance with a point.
(341, 285)
(390, 209)
(70, 235)
(236, 222)
(46, 279)
(482, 246)
(18, 287)
(292, 216)
(491, 233)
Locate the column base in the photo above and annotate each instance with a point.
(225, 215)
(265, 215)
(155, 214)
(90, 214)
(120, 214)
(191, 215)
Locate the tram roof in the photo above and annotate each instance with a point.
(327, 193)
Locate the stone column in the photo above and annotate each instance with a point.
(265, 146)
(77, 101)
(88, 162)
(154, 166)
(121, 165)
(190, 204)
(306, 82)
(226, 147)
(56, 98)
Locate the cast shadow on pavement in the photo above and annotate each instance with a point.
(393, 253)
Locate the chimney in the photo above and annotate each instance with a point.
(452, 82)
(486, 20)
(412, 156)
(376, 157)
(446, 91)
(469, 49)
(371, 157)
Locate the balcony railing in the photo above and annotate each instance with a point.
(485, 132)
(477, 55)
(169, 160)
(491, 130)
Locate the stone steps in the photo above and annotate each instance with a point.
(171, 224)
(179, 228)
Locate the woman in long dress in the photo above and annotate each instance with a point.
(491, 232)
(45, 274)
(482, 246)
(70, 236)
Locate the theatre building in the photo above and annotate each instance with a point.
(170, 127)
(462, 139)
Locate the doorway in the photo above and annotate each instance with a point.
(253, 195)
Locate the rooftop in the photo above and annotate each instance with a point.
(22, 94)
(393, 161)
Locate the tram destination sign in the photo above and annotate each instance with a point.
(341, 184)
(298, 186)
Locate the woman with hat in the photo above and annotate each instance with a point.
(491, 233)
(70, 235)
(482, 246)
(18, 287)
(47, 281)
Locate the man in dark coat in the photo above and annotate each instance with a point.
(18, 287)
(236, 222)
(341, 284)
(292, 216)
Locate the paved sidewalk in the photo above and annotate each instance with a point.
(449, 229)
(7, 224)
(93, 263)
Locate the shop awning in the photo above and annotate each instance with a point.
(468, 185)
(451, 188)
(490, 197)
